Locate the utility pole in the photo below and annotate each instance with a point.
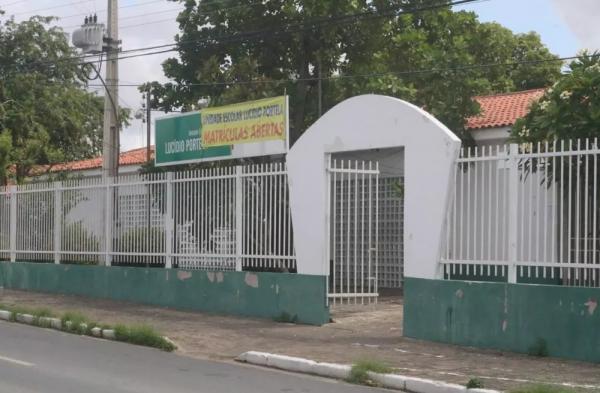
(110, 148)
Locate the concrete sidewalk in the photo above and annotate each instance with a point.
(359, 332)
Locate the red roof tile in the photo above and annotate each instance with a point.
(503, 110)
(131, 157)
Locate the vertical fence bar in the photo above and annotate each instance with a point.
(376, 215)
(57, 221)
(578, 206)
(362, 232)
(12, 193)
(349, 225)
(333, 239)
(585, 204)
(370, 193)
(489, 206)
(108, 220)
(468, 254)
(329, 236)
(239, 212)
(513, 186)
(595, 206)
(169, 223)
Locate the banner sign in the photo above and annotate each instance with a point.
(247, 122)
(249, 129)
(178, 141)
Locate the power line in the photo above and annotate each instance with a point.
(179, 10)
(259, 2)
(147, 23)
(51, 8)
(13, 3)
(368, 75)
(86, 13)
(131, 17)
(271, 32)
(163, 12)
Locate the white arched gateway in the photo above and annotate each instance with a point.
(364, 127)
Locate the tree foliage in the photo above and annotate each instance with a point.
(46, 114)
(235, 51)
(570, 109)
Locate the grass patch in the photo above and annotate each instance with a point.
(143, 335)
(475, 383)
(359, 374)
(540, 388)
(77, 323)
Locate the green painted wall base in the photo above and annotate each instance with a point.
(265, 295)
(514, 317)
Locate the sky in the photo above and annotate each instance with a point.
(566, 26)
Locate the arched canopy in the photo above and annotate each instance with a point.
(374, 122)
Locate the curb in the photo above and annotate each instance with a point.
(341, 371)
(84, 329)
(54, 323)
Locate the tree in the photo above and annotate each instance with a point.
(567, 117)
(46, 114)
(461, 58)
(570, 109)
(248, 49)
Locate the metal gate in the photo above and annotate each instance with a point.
(353, 231)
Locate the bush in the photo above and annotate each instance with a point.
(76, 319)
(143, 335)
(140, 240)
(475, 383)
(76, 237)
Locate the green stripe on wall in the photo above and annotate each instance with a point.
(504, 316)
(265, 295)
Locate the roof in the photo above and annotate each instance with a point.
(502, 110)
(130, 157)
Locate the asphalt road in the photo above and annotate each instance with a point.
(35, 360)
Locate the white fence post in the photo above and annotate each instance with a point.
(12, 190)
(239, 212)
(169, 221)
(513, 212)
(108, 220)
(57, 221)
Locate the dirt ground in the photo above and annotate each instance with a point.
(358, 332)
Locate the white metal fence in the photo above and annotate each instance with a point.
(390, 243)
(354, 231)
(229, 218)
(526, 213)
